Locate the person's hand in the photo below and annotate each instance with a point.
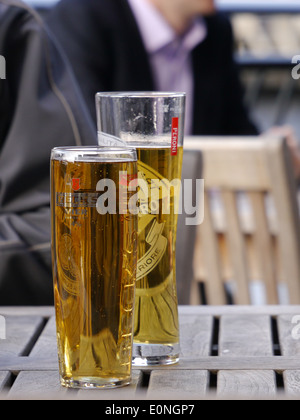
(289, 133)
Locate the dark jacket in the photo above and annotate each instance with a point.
(105, 48)
(40, 108)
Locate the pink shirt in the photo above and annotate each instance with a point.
(170, 54)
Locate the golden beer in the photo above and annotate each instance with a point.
(156, 313)
(94, 266)
(153, 123)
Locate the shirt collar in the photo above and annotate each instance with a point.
(158, 34)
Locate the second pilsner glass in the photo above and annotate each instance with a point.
(153, 123)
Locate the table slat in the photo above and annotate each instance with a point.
(244, 336)
(292, 382)
(41, 311)
(46, 345)
(21, 332)
(16, 364)
(183, 383)
(218, 311)
(246, 383)
(196, 335)
(289, 335)
(36, 385)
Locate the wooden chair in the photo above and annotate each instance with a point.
(186, 235)
(250, 238)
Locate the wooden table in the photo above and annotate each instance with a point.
(227, 352)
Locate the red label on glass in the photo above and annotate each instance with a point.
(76, 184)
(175, 136)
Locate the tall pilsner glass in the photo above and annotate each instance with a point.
(152, 123)
(94, 264)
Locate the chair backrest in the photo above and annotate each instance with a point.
(186, 235)
(250, 239)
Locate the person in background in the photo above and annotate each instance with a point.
(164, 45)
(40, 108)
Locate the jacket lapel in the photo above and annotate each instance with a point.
(135, 64)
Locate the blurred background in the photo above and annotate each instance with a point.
(267, 36)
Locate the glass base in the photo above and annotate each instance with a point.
(94, 383)
(155, 354)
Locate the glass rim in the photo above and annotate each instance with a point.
(142, 94)
(107, 153)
